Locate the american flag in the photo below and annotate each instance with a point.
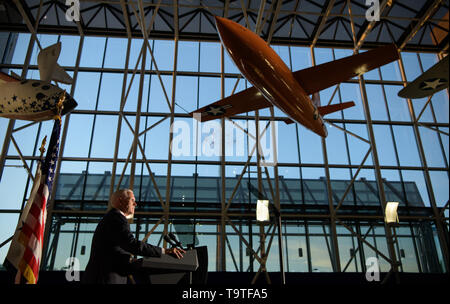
(24, 255)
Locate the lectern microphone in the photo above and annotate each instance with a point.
(174, 238)
(168, 240)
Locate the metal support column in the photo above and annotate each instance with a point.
(262, 236)
(336, 262)
(169, 157)
(222, 169)
(378, 177)
(277, 202)
(119, 119)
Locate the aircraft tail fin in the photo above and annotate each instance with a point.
(60, 75)
(49, 69)
(335, 107)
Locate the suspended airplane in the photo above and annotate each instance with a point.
(32, 99)
(274, 84)
(431, 81)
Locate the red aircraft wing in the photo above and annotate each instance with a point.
(335, 107)
(325, 75)
(245, 101)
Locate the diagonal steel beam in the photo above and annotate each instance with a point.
(258, 25)
(415, 26)
(145, 33)
(352, 181)
(152, 176)
(26, 11)
(323, 18)
(28, 18)
(274, 21)
(244, 11)
(365, 31)
(255, 255)
(126, 17)
(364, 241)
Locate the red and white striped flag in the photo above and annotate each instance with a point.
(25, 251)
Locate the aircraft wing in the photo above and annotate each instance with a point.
(248, 100)
(325, 75)
(430, 82)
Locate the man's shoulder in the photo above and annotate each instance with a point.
(114, 215)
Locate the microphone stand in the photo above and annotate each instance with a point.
(277, 216)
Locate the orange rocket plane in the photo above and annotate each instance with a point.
(275, 85)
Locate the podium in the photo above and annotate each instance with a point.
(191, 269)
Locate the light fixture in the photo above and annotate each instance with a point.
(262, 211)
(391, 216)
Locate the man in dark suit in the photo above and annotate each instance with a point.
(113, 244)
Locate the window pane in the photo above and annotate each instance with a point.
(432, 147)
(398, 107)
(418, 184)
(310, 146)
(9, 224)
(163, 52)
(111, 91)
(187, 56)
(20, 51)
(406, 145)
(210, 56)
(439, 180)
(78, 135)
(103, 142)
(116, 52)
(93, 49)
(336, 146)
(385, 145)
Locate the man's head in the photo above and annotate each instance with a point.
(124, 200)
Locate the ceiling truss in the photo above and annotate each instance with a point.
(322, 23)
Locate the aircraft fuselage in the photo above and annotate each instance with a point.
(32, 99)
(263, 68)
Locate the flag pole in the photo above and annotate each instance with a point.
(59, 107)
(42, 148)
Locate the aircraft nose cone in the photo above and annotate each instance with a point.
(219, 20)
(220, 24)
(230, 34)
(226, 28)
(69, 105)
